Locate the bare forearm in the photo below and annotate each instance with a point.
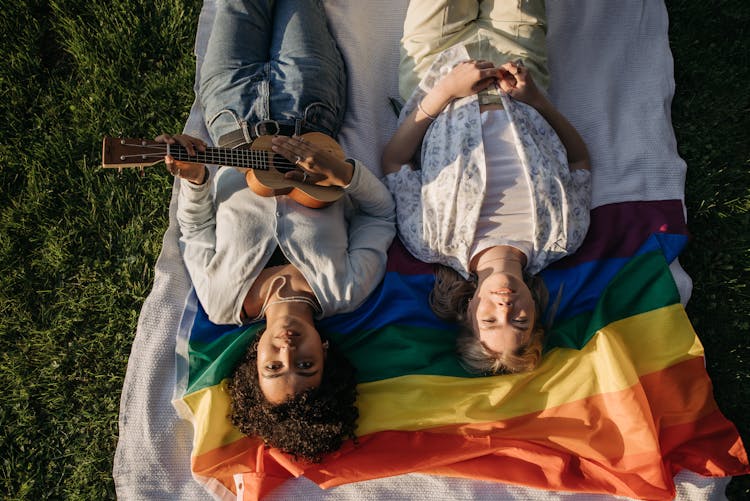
(404, 144)
(466, 78)
(402, 147)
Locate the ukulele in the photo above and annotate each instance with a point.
(264, 170)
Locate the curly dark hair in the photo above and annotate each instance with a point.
(307, 425)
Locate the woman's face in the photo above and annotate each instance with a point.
(502, 312)
(291, 356)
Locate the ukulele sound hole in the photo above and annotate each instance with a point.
(281, 164)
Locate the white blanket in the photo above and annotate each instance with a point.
(612, 76)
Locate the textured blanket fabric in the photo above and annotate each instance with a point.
(621, 341)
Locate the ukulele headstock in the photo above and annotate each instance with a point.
(131, 152)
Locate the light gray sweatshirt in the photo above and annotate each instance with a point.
(229, 233)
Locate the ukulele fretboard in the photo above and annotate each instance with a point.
(253, 159)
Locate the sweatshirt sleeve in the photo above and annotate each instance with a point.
(372, 226)
(196, 216)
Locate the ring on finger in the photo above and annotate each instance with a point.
(298, 160)
(304, 177)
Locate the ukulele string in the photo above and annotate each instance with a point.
(214, 156)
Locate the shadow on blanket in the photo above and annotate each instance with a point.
(619, 405)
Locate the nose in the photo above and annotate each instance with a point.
(286, 339)
(286, 342)
(287, 335)
(504, 309)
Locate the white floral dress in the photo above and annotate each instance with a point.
(437, 207)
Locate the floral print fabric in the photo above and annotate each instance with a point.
(437, 206)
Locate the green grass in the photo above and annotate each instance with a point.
(78, 244)
(710, 44)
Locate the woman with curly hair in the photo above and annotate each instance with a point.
(310, 423)
(502, 185)
(272, 67)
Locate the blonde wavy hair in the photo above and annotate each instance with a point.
(449, 300)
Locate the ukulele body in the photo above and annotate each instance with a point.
(272, 183)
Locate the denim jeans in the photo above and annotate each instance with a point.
(272, 60)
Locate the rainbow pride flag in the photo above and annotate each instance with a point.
(619, 405)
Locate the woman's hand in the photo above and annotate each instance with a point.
(316, 165)
(467, 78)
(193, 172)
(515, 79)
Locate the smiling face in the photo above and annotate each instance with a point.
(291, 356)
(502, 312)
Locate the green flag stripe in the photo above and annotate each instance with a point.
(644, 284)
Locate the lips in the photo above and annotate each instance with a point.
(503, 291)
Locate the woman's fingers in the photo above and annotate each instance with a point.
(481, 70)
(482, 64)
(190, 143)
(513, 66)
(164, 138)
(513, 76)
(473, 76)
(516, 69)
(295, 149)
(192, 171)
(302, 154)
(172, 166)
(470, 77)
(177, 165)
(507, 82)
(303, 176)
(478, 63)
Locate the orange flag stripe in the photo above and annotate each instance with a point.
(620, 452)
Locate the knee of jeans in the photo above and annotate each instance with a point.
(319, 116)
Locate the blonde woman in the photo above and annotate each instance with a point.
(490, 180)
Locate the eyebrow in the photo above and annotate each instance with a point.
(279, 374)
